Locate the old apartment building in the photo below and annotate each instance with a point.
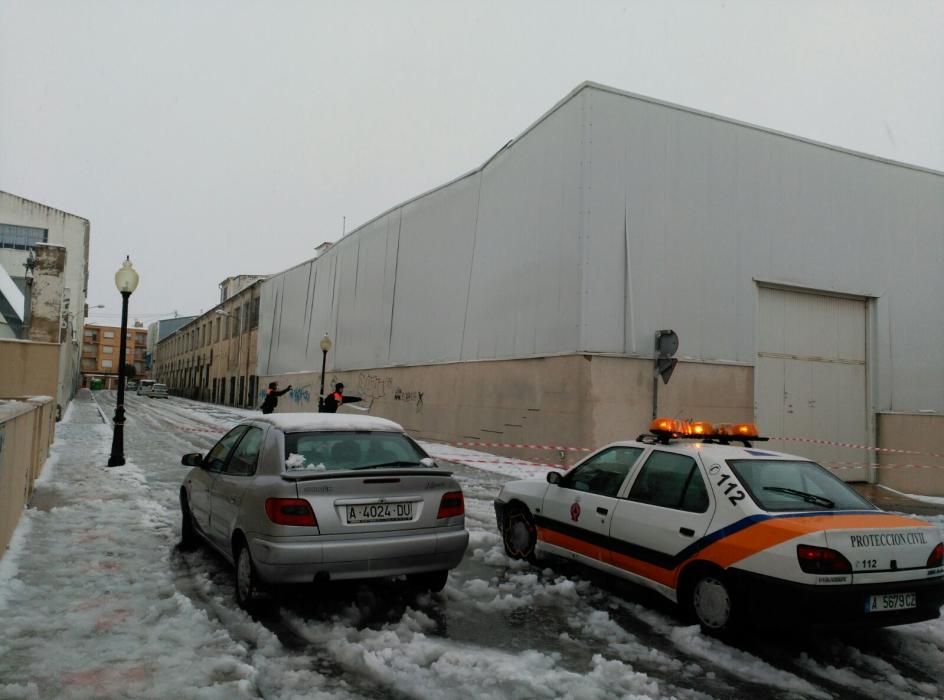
(100, 354)
(213, 357)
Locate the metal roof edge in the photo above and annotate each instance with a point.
(591, 85)
(755, 127)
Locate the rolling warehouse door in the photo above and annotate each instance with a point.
(810, 380)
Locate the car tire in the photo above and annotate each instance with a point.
(519, 535)
(188, 533)
(431, 581)
(246, 579)
(712, 603)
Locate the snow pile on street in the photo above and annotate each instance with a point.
(96, 601)
(405, 658)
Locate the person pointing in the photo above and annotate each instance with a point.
(335, 399)
(271, 399)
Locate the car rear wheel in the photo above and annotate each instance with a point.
(247, 580)
(712, 603)
(519, 534)
(432, 581)
(188, 533)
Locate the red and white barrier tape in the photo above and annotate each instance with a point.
(870, 448)
(814, 441)
(835, 466)
(556, 448)
(504, 463)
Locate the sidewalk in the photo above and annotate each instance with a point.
(91, 592)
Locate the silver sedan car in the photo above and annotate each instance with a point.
(309, 497)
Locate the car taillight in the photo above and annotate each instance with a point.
(452, 504)
(937, 556)
(290, 511)
(820, 560)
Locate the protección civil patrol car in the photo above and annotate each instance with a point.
(732, 533)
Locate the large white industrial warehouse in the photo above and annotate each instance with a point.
(519, 303)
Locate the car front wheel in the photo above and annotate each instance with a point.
(519, 534)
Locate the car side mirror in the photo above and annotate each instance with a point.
(429, 462)
(194, 459)
(553, 477)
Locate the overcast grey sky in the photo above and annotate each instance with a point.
(207, 139)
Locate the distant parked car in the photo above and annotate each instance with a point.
(155, 391)
(131, 385)
(307, 497)
(143, 384)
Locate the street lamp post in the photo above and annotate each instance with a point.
(126, 279)
(325, 346)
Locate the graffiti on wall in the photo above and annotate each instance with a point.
(372, 386)
(409, 396)
(300, 394)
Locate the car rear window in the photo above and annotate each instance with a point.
(332, 451)
(781, 485)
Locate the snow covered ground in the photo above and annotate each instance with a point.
(97, 602)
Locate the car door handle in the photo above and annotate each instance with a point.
(688, 532)
(602, 511)
(233, 500)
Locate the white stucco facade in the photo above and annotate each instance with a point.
(72, 233)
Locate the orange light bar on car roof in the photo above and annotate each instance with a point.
(664, 425)
(702, 429)
(738, 430)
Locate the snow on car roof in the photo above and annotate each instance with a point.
(297, 422)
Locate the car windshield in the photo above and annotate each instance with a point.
(333, 451)
(779, 485)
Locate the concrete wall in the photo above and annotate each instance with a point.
(26, 431)
(28, 368)
(921, 473)
(571, 400)
(46, 297)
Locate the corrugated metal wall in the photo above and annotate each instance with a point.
(703, 208)
(485, 267)
(615, 216)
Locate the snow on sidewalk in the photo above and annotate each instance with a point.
(88, 597)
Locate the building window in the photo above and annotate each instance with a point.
(107, 364)
(21, 237)
(107, 349)
(109, 334)
(254, 314)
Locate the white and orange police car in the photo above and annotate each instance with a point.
(731, 533)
